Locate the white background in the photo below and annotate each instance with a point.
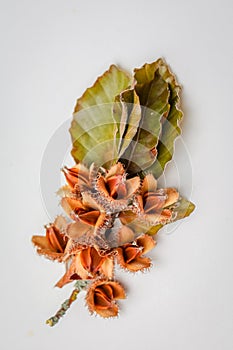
(51, 51)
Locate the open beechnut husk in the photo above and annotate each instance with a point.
(123, 133)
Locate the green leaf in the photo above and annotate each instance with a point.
(127, 113)
(143, 228)
(183, 209)
(153, 94)
(170, 124)
(93, 126)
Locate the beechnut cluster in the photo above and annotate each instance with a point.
(110, 217)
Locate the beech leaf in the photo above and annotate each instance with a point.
(93, 125)
(170, 125)
(127, 113)
(153, 95)
(184, 209)
(181, 211)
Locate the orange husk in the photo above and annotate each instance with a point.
(101, 297)
(54, 243)
(87, 263)
(77, 176)
(130, 256)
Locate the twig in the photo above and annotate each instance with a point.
(79, 286)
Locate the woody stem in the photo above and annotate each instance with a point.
(79, 286)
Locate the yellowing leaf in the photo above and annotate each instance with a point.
(183, 209)
(153, 95)
(170, 124)
(93, 125)
(127, 113)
